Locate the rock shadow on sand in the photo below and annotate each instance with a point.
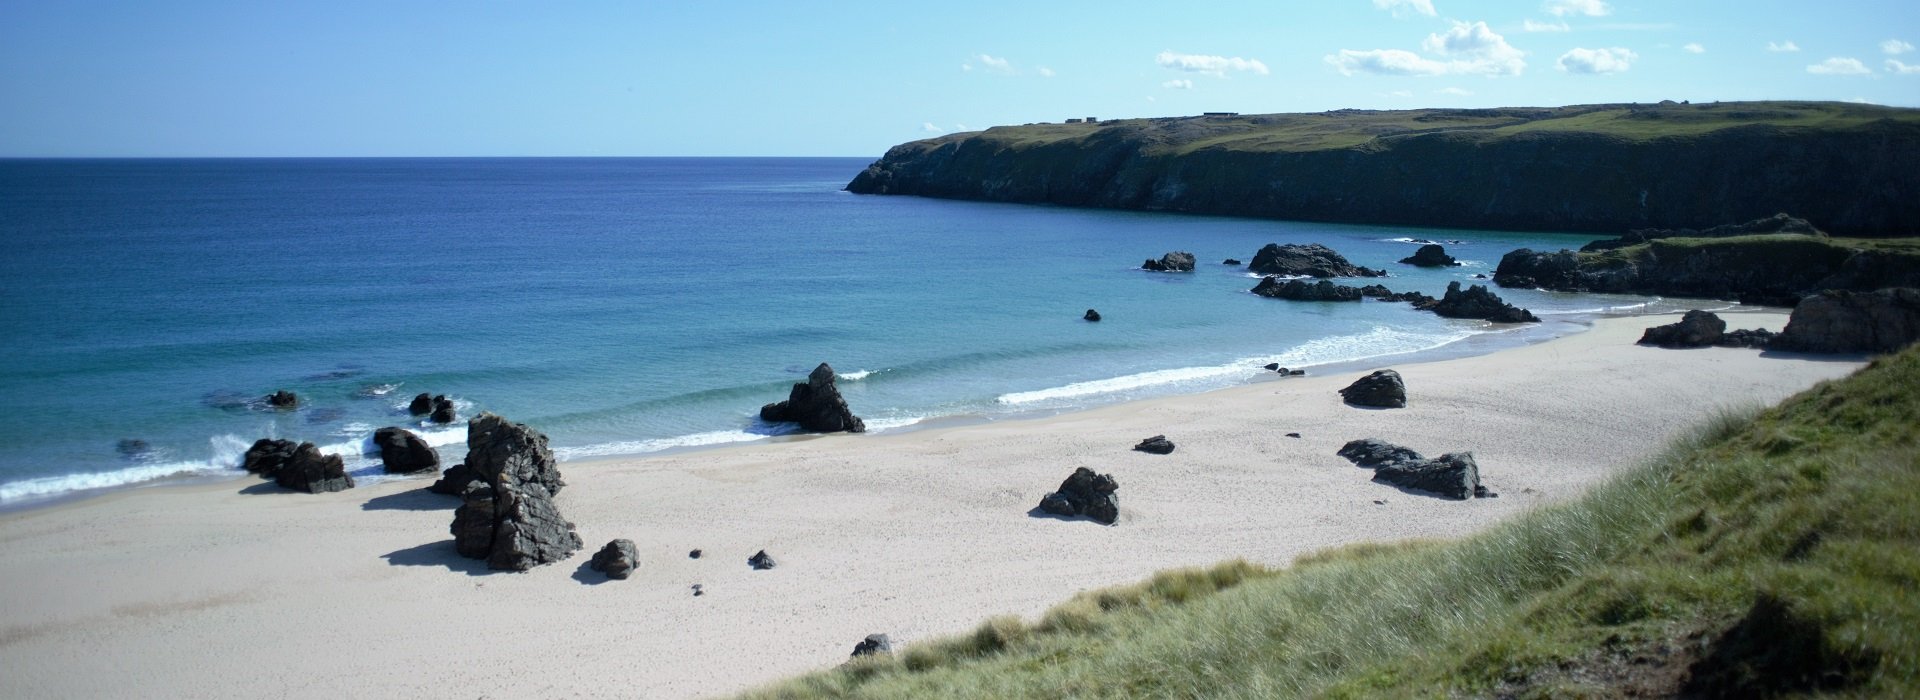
(439, 553)
(419, 499)
(1038, 512)
(588, 577)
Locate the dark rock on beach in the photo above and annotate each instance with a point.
(267, 456)
(1756, 338)
(616, 560)
(1309, 259)
(1696, 329)
(421, 405)
(1176, 261)
(513, 525)
(403, 452)
(1299, 290)
(761, 561)
(1374, 453)
(1478, 302)
(454, 480)
(502, 450)
(1848, 322)
(283, 399)
(310, 471)
(1453, 475)
(1431, 255)
(1382, 389)
(1091, 315)
(816, 405)
(1158, 444)
(874, 644)
(1087, 494)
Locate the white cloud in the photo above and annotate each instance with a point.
(1597, 61)
(1694, 48)
(1178, 84)
(931, 129)
(1891, 47)
(966, 66)
(962, 127)
(996, 63)
(1044, 71)
(1397, 93)
(1839, 66)
(1470, 49)
(1211, 65)
(1782, 47)
(1590, 8)
(1895, 67)
(1457, 92)
(1536, 27)
(1402, 8)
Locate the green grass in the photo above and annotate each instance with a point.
(1779, 251)
(1772, 552)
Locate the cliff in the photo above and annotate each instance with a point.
(1774, 269)
(1849, 169)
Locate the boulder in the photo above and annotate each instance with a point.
(1842, 321)
(1299, 290)
(1374, 453)
(1310, 260)
(1756, 338)
(1375, 291)
(1527, 268)
(442, 410)
(1176, 261)
(454, 480)
(283, 399)
(1478, 302)
(695, 554)
(616, 560)
(1085, 494)
(1431, 255)
(761, 561)
(873, 645)
(422, 404)
(1382, 389)
(1696, 329)
(312, 472)
(513, 525)
(1230, 261)
(1158, 444)
(499, 449)
(267, 456)
(1091, 315)
(403, 452)
(816, 405)
(1451, 475)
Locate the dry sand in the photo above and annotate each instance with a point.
(220, 590)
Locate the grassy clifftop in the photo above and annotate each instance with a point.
(1773, 553)
(1846, 167)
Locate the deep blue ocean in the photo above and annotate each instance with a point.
(623, 306)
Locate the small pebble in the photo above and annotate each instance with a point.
(695, 554)
(1380, 502)
(1293, 435)
(697, 591)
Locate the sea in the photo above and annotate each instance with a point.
(628, 306)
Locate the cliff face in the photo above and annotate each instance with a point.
(1849, 169)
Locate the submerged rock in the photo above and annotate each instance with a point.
(1091, 315)
(1842, 321)
(1158, 444)
(422, 404)
(1087, 494)
(1696, 329)
(283, 399)
(1431, 255)
(1176, 261)
(402, 452)
(1382, 389)
(1299, 290)
(1311, 260)
(616, 560)
(816, 405)
(1478, 302)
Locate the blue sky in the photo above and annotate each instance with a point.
(514, 77)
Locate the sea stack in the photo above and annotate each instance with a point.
(816, 405)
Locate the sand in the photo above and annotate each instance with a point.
(238, 589)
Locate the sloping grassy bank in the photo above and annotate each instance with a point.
(1774, 552)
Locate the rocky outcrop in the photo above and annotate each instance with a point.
(1177, 261)
(1382, 389)
(499, 449)
(454, 480)
(1850, 322)
(283, 399)
(1158, 444)
(1299, 290)
(1450, 475)
(873, 645)
(1696, 329)
(442, 410)
(421, 405)
(1374, 453)
(1230, 261)
(513, 525)
(1375, 291)
(1768, 270)
(1085, 494)
(616, 560)
(1756, 338)
(1308, 260)
(310, 471)
(402, 452)
(267, 456)
(1431, 255)
(761, 561)
(1091, 315)
(816, 405)
(1477, 302)
(1776, 224)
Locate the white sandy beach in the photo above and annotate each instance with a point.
(206, 590)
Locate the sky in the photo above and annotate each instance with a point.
(206, 78)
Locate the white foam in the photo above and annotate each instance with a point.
(1117, 384)
(225, 453)
(855, 376)
(635, 447)
(879, 425)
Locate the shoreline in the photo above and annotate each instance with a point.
(204, 589)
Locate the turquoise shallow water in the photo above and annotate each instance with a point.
(621, 305)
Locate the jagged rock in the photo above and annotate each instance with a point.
(1756, 338)
(1374, 453)
(874, 644)
(1843, 321)
(1091, 315)
(1380, 292)
(500, 449)
(1085, 494)
(1696, 329)
(816, 405)
(1453, 475)
(453, 482)
(761, 561)
(313, 472)
(403, 452)
(1298, 290)
(268, 456)
(616, 560)
(1158, 444)
(513, 525)
(442, 410)
(1230, 261)
(283, 399)
(1478, 302)
(422, 404)
(1778, 223)
(1311, 259)
(1526, 268)
(1176, 261)
(1382, 389)
(1431, 255)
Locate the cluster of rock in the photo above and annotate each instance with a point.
(1774, 271)
(1430, 255)
(1380, 292)
(300, 467)
(1478, 302)
(1275, 367)
(1778, 223)
(402, 452)
(283, 399)
(1309, 260)
(1176, 261)
(1381, 389)
(1296, 289)
(1085, 494)
(1475, 302)
(506, 485)
(1453, 475)
(1843, 321)
(437, 408)
(1158, 444)
(816, 405)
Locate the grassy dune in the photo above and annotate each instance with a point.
(1774, 552)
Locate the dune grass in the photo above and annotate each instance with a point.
(1771, 552)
